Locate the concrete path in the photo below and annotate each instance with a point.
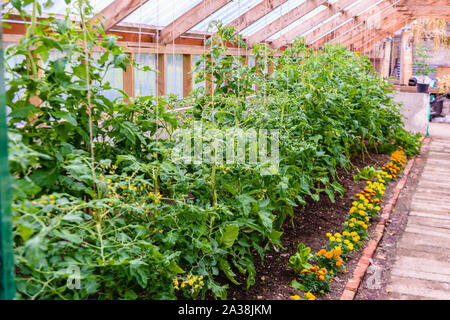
(422, 265)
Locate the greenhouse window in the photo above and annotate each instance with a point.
(174, 73)
(145, 81)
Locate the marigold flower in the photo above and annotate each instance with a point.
(296, 297)
(329, 255)
(310, 296)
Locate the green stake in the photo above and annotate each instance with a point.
(7, 287)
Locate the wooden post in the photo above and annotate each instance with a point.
(128, 79)
(161, 76)
(406, 58)
(387, 58)
(187, 74)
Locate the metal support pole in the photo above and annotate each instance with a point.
(7, 286)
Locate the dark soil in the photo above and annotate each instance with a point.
(310, 224)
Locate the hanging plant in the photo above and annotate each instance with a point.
(436, 29)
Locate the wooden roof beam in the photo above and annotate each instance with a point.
(116, 12)
(255, 13)
(371, 42)
(386, 20)
(347, 30)
(285, 20)
(311, 23)
(339, 20)
(390, 25)
(190, 18)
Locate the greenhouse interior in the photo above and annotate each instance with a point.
(225, 150)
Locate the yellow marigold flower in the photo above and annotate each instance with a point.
(351, 225)
(337, 235)
(310, 296)
(354, 203)
(362, 213)
(345, 233)
(352, 209)
(346, 241)
(377, 208)
(350, 246)
(337, 251)
(338, 240)
(296, 297)
(361, 206)
(332, 239)
(321, 278)
(328, 234)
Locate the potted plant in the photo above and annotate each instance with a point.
(423, 69)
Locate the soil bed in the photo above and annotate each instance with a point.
(273, 278)
(384, 256)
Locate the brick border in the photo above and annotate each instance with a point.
(358, 274)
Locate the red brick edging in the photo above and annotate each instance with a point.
(358, 274)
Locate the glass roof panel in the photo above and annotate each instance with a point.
(161, 12)
(298, 22)
(227, 13)
(271, 17)
(60, 6)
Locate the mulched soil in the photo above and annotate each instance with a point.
(310, 224)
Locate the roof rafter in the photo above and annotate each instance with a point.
(285, 20)
(255, 13)
(388, 26)
(190, 18)
(351, 13)
(349, 27)
(371, 42)
(311, 22)
(117, 11)
(364, 31)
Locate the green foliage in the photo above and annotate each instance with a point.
(367, 173)
(136, 223)
(423, 69)
(299, 261)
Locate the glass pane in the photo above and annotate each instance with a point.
(145, 81)
(174, 74)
